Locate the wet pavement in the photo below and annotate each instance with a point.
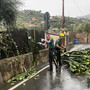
(57, 80)
(80, 47)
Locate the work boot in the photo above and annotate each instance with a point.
(57, 68)
(50, 69)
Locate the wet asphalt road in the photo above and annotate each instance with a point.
(63, 80)
(58, 80)
(80, 47)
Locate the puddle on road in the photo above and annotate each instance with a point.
(72, 82)
(65, 81)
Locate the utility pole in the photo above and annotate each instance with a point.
(63, 20)
(63, 15)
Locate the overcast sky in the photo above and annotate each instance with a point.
(73, 8)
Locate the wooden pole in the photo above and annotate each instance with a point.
(63, 14)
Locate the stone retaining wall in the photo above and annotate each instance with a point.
(13, 66)
(83, 38)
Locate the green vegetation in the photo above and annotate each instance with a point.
(22, 76)
(27, 15)
(78, 62)
(34, 20)
(8, 11)
(8, 47)
(71, 24)
(34, 49)
(83, 27)
(30, 19)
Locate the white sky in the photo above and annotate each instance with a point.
(54, 7)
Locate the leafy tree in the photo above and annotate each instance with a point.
(79, 28)
(8, 11)
(27, 15)
(55, 21)
(87, 27)
(84, 27)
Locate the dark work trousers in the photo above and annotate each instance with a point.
(51, 58)
(58, 54)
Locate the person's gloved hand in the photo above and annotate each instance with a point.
(39, 43)
(42, 40)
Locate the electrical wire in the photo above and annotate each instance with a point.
(78, 6)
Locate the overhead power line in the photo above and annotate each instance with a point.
(78, 6)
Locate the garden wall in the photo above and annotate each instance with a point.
(83, 38)
(10, 67)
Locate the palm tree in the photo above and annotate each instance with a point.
(8, 12)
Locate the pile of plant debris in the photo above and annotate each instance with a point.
(78, 62)
(22, 76)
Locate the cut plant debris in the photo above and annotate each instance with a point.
(78, 62)
(22, 76)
